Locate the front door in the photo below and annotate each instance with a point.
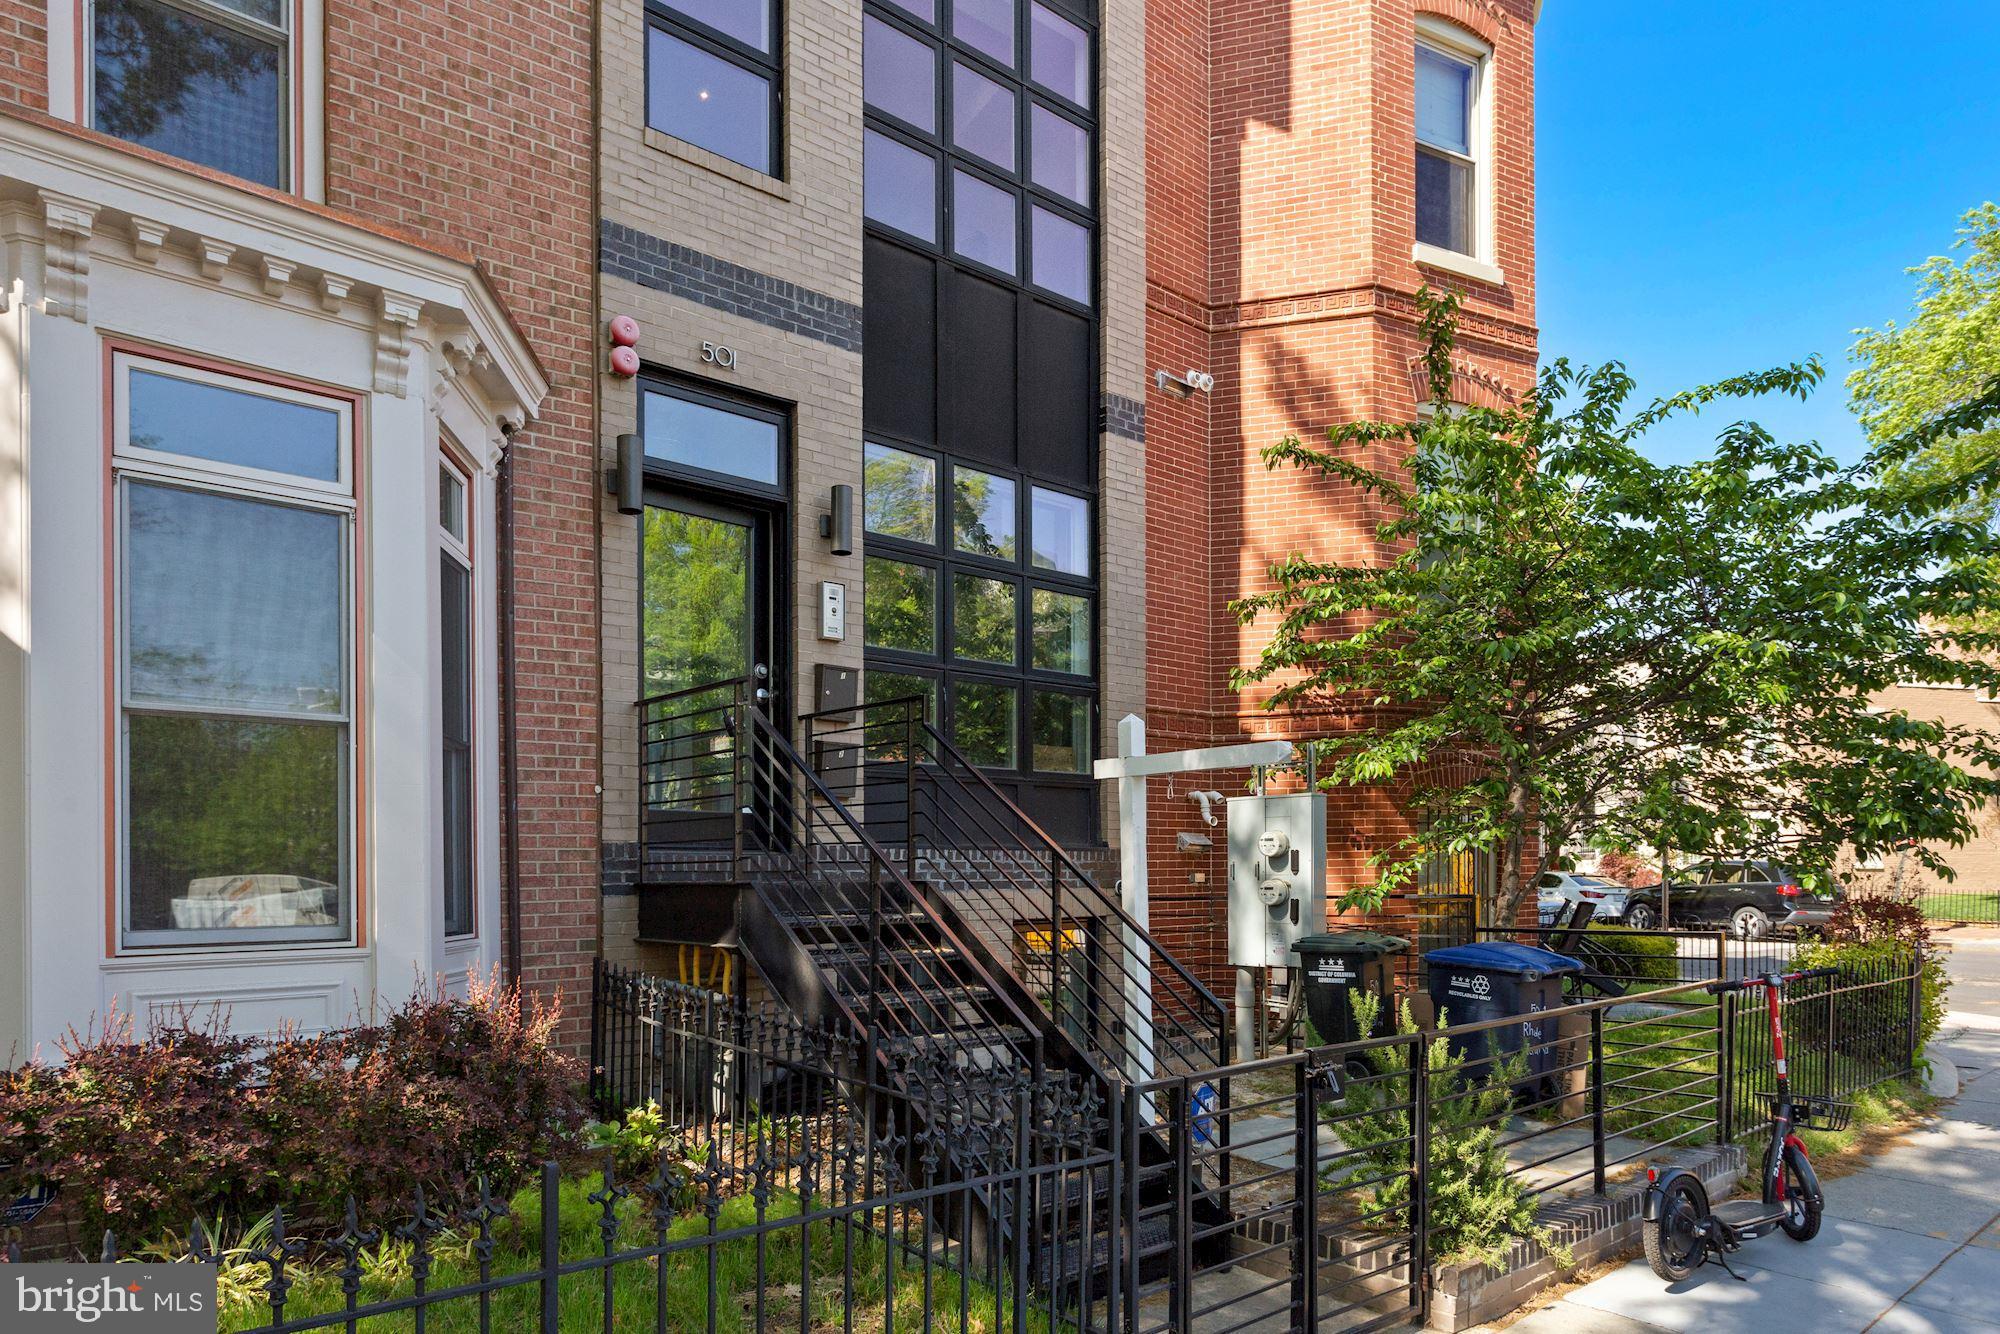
(706, 595)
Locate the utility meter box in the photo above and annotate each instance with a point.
(1277, 876)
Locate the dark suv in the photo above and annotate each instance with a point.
(1754, 899)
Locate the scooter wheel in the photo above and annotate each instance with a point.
(1674, 1246)
(1802, 1223)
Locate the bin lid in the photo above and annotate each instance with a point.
(1350, 942)
(1504, 956)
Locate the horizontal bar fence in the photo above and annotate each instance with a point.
(790, 1176)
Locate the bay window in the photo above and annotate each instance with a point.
(457, 659)
(234, 513)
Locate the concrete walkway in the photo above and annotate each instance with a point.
(1910, 1243)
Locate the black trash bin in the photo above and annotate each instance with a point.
(1332, 965)
(1491, 979)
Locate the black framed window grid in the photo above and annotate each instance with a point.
(945, 563)
(767, 65)
(937, 143)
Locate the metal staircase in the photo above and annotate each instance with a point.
(889, 889)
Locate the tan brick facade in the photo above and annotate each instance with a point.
(1976, 863)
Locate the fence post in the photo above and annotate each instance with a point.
(1180, 1124)
(1725, 1054)
(1305, 1193)
(1916, 1021)
(551, 1247)
(1420, 1161)
(1597, 1097)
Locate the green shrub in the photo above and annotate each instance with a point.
(1871, 1002)
(1626, 955)
(1476, 1208)
(143, 1134)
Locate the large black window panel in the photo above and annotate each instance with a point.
(898, 328)
(1057, 424)
(978, 368)
(1066, 814)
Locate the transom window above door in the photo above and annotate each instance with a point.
(207, 81)
(713, 78)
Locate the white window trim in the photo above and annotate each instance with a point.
(205, 476)
(72, 63)
(460, 549)
(1451, 40)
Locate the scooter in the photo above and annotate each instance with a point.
(1681, 1230)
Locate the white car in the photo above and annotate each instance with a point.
(1556, 890)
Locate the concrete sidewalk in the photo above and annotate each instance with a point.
(1910, 1243)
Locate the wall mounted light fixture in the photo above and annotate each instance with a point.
(837, 524)
(627, 481)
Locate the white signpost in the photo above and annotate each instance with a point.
(1132, 768)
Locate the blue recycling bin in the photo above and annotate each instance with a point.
(1492, 979)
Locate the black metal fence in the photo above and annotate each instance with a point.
(771, 1174)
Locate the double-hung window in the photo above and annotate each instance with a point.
(1450, 117)
(204, 80)
(456, 661)
(234, 505)
(713, 79)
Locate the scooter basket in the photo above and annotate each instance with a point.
(1815, 1113)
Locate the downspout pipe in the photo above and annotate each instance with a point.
(510, 780)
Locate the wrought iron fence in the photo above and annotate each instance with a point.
(784, 1175)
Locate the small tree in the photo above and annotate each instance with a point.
(1561, 633)
(1475, 1209)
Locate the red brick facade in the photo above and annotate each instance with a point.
(1280, 221)
(480, 135)
(24, 54)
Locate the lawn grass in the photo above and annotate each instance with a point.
(843, 1288)
(1961, 905)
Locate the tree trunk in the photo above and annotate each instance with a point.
(1512, 883)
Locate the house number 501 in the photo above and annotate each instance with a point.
(719, 354)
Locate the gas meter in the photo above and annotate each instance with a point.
(1277, 876)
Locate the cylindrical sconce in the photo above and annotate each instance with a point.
(628, 479)
(837, 524)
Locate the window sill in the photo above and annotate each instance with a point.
(720, 165)
(1465, 266)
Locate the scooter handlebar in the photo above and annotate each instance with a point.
(1745, 983)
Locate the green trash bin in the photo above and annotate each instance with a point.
(1334, 964)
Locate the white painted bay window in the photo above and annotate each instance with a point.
(457, 658)
(234, 528)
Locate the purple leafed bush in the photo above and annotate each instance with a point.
(144, 1134)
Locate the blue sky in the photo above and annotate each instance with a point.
(1727, 186)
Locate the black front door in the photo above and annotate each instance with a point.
(706, 596)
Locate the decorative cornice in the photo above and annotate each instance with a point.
(277, 274)
(215, 255)
(1363, 299)
(67, 223)
(396, 316)
(147, 238)
(344, 255)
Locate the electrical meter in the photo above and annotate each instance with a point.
(1277, 876)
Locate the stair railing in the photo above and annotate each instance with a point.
(995, 868)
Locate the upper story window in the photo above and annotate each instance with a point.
(979, 134)
(712, 77)
(234, 504)
(205, 80)
(1452, 151)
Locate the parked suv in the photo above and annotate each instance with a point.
(1556, 890)
(1754, 899)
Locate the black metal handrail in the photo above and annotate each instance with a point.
(993, 854)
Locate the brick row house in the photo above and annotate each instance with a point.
(409, 414)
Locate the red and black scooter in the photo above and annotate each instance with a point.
(1681, 1231)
